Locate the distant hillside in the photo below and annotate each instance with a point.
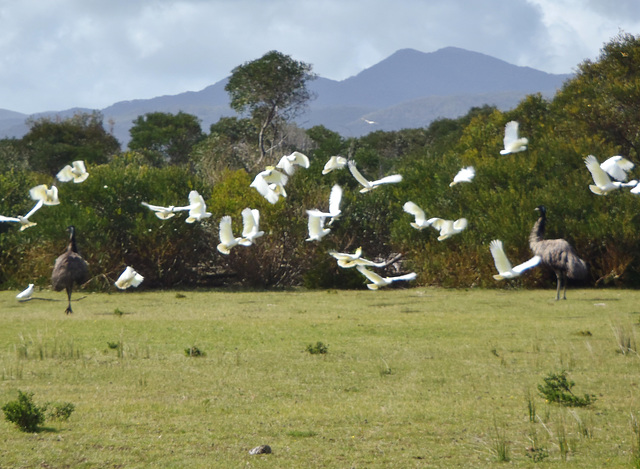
(406, 90)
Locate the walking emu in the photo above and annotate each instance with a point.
(69, 268)
(557, 254)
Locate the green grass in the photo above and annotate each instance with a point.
(411, 378)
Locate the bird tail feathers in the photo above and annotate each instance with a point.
(578, 269)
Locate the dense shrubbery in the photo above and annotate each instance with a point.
(115, 230)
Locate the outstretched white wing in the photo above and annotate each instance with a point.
(346, 255)
(35, 208)
(600, 177)
(510, 133)
(504, 267)
(464, 175)
(460, 224)
(387, 180)
(512, 142)
(250, 226)
(316, 226)
(226, 232)
(411, 276)
(161, 212)
(129, 278)
(376, 279)
(358, 175)
(288, 162)
(534, 261)
(334, 201)
(420, 218)
(617, 167)
(263, 188)
(42, 192)
(500, 259)
(248, 222)
(335, 162)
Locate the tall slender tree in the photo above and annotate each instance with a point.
(272, 90)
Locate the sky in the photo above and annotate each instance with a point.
(60, 54)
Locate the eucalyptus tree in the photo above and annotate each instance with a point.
(604, 95)
(52, 143)
(169, 136)
(272, 90)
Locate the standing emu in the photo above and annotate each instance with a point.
(69, 268)
(557, 254)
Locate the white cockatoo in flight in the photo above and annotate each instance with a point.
(378, 281)
(24, 219)
(370, 185)
(512, 142)
(76, 172)
(270, 184)
(335, 162)
(464, 175)
(288, 163)
(420, 218)
(603, 182)
(447, 228)
(504, 267)
(129, 278)
(335, 197)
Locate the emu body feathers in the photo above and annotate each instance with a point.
(557, 254)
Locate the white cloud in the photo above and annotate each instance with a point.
(67, 53)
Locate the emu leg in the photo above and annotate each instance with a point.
(564, 280)
(68, 310)
(559, 283)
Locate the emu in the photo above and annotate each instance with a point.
(557, 254)
(69, 268)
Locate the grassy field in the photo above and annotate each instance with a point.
(411, 378)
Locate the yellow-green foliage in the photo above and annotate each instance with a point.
(114, 229)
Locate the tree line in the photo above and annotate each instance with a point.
(596, 112)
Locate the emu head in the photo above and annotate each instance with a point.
(542, 209)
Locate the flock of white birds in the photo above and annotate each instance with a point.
(270, 183)
(45, 195)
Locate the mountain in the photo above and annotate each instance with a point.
(406, 90)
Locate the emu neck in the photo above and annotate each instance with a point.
(72, 243)
(537, 232)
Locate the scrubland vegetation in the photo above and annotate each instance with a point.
(594, 113)
(203, 362)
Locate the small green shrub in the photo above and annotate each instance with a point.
(24, 412)
(194, 351)
(60, 410)
(318, 348)
(557, 388)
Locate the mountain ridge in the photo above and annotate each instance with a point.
(409, 88)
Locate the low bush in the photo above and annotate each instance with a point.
(557, 388)
(24, 412)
